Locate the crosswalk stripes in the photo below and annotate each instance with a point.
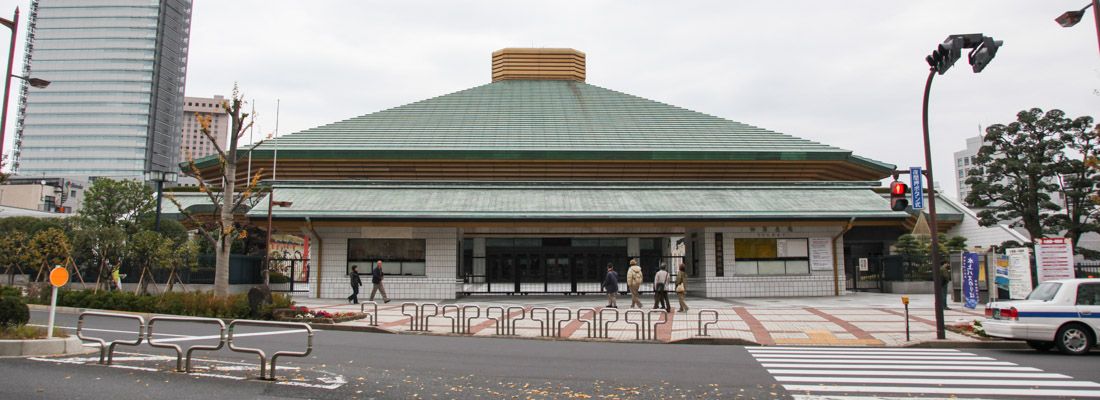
(846, 372)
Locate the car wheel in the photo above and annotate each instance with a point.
(1074, 339)
(1040, 345)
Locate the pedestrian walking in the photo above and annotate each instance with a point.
(611, 285)
(376, 276)
(945, 278)
(634, 283)
(660, 289)
(681, 286)
(355, 284)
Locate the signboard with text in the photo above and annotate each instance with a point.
(917, 185)
(1019, 273)
(970, 280)
(1054, 259)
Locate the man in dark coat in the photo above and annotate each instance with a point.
(611, 285)
(355, 284)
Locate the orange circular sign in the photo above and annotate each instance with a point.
(59, 276)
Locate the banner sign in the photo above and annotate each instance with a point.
(1019, 273)
(970, 280)
(917, 184)
(1000, 272)
(1054, 259)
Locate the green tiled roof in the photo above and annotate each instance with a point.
(548, 120)
(563, 201)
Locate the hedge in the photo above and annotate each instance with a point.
(13, 312)
(198, 304)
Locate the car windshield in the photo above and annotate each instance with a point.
(1045, 291)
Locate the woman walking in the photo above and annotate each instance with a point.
(634, 283)
(681, 286)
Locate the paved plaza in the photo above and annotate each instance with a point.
(860, 319)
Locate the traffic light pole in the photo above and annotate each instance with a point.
(937, 277)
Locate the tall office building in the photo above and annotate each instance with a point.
(964, 162)
(115, 104)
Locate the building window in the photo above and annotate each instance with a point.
(399, 256)
(766, 256)
(719, 258)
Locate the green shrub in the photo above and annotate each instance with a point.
(13, 311)
(278, 277)
(13, 291)
(198, 304)
(23, 332)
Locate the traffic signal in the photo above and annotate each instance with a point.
(946, 54)
(981, 55)
(898, 199)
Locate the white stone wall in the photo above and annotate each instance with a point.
(440, 258)
(817, 283)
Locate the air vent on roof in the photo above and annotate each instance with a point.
(535, 63)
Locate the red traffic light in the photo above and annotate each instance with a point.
(898, 198)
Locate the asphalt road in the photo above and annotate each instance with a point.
(366, 365)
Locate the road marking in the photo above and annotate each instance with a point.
(917, 381)
(869, 371)
(892, 350)
(920, 373)
(874, 357)
(946, 390)
(902, 367)
(108, 330)
(879, 361)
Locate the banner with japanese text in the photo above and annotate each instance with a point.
(970, 279)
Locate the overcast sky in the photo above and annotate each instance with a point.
(846, 73)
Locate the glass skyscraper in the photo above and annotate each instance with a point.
(115, 105)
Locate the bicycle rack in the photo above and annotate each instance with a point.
(642, 329)
(277, 354)
(665, 320)
(108, 349)
(373, 315)
(545, 326)
(469, 319)
(554, 317)
(522, 316)
(701, 328)
(414, 318)
(597, 326)
(179, 350)
(502, 322)
(424, 315)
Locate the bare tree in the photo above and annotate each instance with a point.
(222, 231)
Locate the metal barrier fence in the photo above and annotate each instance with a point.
(107, 349)
(460, 323)
(645, 328)
(277, 354)
(597, 327)
(179, 350)
(418, 320)
(701, 328)
(145, 331)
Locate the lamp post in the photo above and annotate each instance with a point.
(160, 177)
(1071, 18)
(983, 49)
(13, 24)
(267, 250)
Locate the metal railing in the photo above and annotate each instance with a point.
(701, 328)
(277, 354)
(597, 326)
(179, 349)
(460, 323)
(505, 325)
(418, 320)
(107, 349)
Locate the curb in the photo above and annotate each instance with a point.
(716, 341)
(959, 344)
(42, 347)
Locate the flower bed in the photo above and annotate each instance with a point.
(304, 314)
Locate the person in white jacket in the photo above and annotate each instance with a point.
(660, 288)
(634, 283)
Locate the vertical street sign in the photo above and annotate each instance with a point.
(970, 280)
(916, 182)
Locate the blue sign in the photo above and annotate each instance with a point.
(970, 279)
(917, 184)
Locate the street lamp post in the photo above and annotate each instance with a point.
(160, 177)
(1071, 18)
(983, 49)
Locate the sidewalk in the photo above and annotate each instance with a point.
(858, 319)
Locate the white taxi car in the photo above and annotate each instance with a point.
(1062, 313)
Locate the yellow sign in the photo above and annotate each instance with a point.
(59, 276)
(904, 299)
